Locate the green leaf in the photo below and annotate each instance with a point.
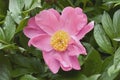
(5, 68)
(4, 73)
(93, 60)
(32, 5)
(28, 4)
(102, 39)
(105, 76)
(21, 25)
(97, 18)
(19, 71)
(117, 57)
(107, 62)
(117, 3)
(108, 25)
(116, 22)
(118, 77)
(16, 17)
(93, 77)
(21, 61)
(117, 39)
(4, 59)
(2, 46)
(15, 6)
(9, 27)
(2, 35)
(25, 65)
(82, 77)
(28, 77)
(115, 68)
(105, 66)
(112, 70)
(24, 41)
(36, 3)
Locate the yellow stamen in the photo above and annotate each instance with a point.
(59, 41)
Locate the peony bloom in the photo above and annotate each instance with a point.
(57, 36)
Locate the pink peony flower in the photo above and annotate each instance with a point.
(57, 36)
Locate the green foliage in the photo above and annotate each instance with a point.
(115, 68)
(116, 22)
(93, 77)
(108, 25)
(9, 27)
(115, 2)
(94, 57)
(28, 77)
(102, 39)
(3, 8)
(2, 34)
(20, 62)
(5, 68)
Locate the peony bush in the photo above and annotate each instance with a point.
(59, 40)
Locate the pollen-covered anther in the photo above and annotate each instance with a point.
(59, 41)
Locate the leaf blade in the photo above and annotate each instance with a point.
(102, 39)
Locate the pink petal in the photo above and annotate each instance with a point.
(82, 18)
(31, 21)
(52, 63)
(75, 63)
(85, 30)
(72, 20)
(48, 21)
(41, 42)
(66, 65)
(78, 10)
(76, 48)
(55, 13)
(64, 60)
(31, 30)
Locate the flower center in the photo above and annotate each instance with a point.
(59, 41)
